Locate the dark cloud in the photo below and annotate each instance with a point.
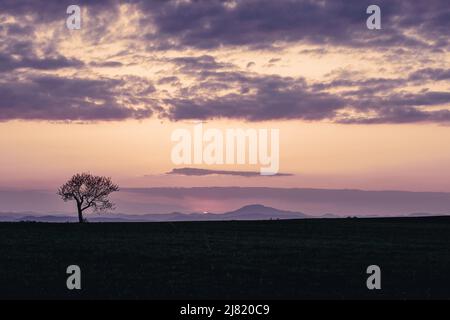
(271, 97)
(380, 84)
(403, 108)
(430, 74)
(57, 98)
(205, 172)
(400, 115)
(259, 98)
(267, 104)
(44, 11)
(169, 80)
(316, 52)
(261, 23)
(19, 50)
(200, 63)
(106, 64)
(7, 63)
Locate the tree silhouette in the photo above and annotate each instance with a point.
(88, 191)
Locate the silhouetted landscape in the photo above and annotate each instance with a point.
(308, 258)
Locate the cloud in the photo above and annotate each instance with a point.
(266, 104)
(41, 80)
(205, 172)
(46, 11)
(21, 50)
(251, 64)
(315, 52)
(400, 115)
(9, 64)
(59, 98)
(173, 80)
(258, 97)
(107, 64)
(263, 23)
(430, 74)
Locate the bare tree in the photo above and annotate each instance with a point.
(88, 191)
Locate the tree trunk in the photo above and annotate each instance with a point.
(80, 213)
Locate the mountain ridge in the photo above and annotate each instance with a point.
(248, 212)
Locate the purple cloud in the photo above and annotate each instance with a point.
(28, 90)
(261, 23)
(58, 98)
(205, 172)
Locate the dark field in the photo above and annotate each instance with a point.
(228, 260)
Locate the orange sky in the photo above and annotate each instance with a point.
(137, 153)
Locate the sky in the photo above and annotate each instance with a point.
(355, 108)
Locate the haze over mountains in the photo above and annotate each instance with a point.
(250, 212)
(313, 202)
(246, 213)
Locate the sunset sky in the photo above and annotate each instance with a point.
(356, 108)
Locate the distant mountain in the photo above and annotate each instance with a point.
(260, 212)
(12, 216)
(47, 218)
(419, 214)
(250, 212)
(329, 216)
